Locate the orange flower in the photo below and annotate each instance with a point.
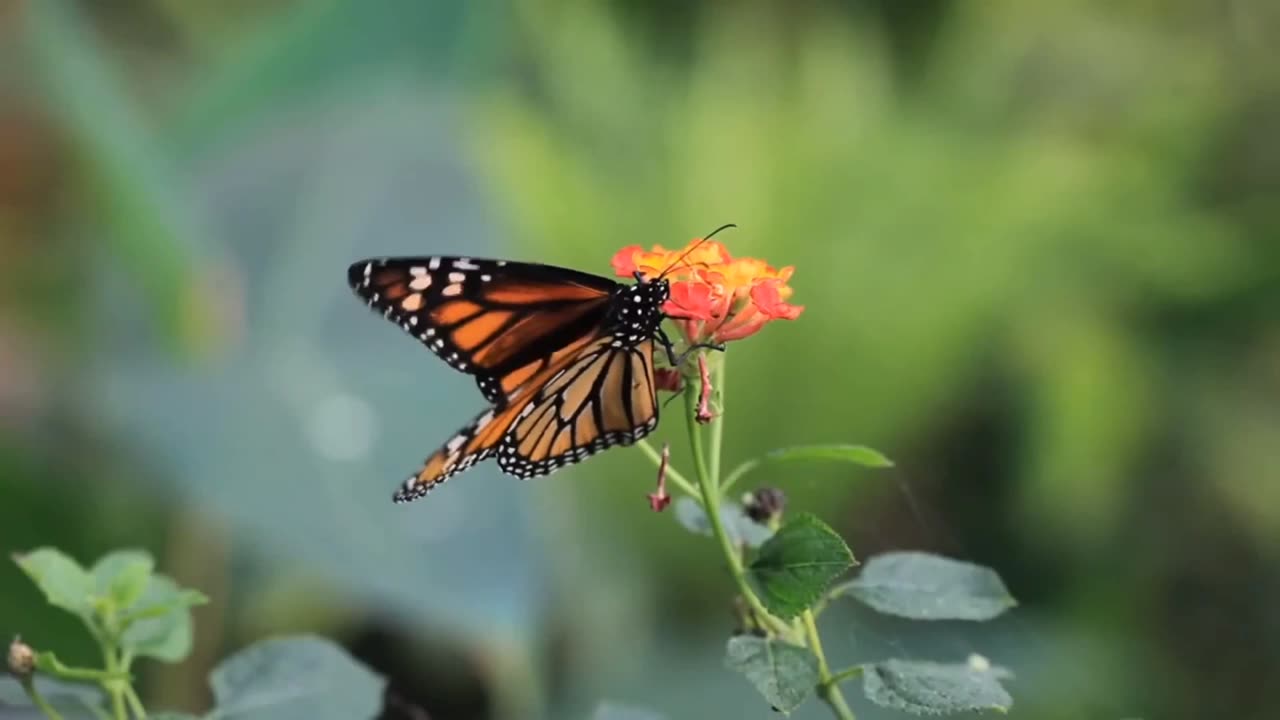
(715, 298)
(634, 258)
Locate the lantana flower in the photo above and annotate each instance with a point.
(715, 298)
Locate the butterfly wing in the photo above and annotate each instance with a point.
(601, 397)
(606, 396)
(503, 322)
(484, 435)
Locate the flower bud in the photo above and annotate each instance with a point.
(22, 659)
(659, 499)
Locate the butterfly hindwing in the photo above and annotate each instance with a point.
(606, 397)
(497, 320)
(602, 397)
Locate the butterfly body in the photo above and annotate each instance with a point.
(565, 358)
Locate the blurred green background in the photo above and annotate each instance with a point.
(1037, 243)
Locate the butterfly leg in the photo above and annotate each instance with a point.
(670, 348)
(678, 360)
(719, 347)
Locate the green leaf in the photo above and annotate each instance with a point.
(614, 711)
(921, 586)
(160, 624)
(171, 716)
(785, 674)
(797, 565)
(122, 576)
(300, 677)
(72, 700)
(927, 688)
(856, 454)
(740, 528)
(64, 583)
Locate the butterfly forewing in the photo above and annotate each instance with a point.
(497, 320)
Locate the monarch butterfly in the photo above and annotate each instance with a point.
(565, 358)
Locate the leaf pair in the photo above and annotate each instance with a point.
(295, 678)
(120, 599)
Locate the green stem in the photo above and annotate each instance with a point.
(29, 685)
(717, 425)
(736, 474)
(846, 674)
(672, 474)
(828, 686)
(114, 687)
(711, 503)
(135, 703)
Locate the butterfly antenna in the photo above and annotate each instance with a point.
(695, 246)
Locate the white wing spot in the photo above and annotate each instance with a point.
(465, 264)
(452, 290)
(433, 263)
(486, 277)
(457, 277)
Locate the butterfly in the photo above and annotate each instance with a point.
(565, 358)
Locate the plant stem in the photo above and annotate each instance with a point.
(711, 503)
(846, 674)
(717, 425)
(114, 688)
(29, 685)
(673, 475)
(135, 703)
(828, 686)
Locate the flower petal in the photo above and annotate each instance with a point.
(767, 295)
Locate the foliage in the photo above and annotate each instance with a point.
(785, 580)
(131, 612)
(1047, 225)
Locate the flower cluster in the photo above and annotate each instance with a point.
(715, 298)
